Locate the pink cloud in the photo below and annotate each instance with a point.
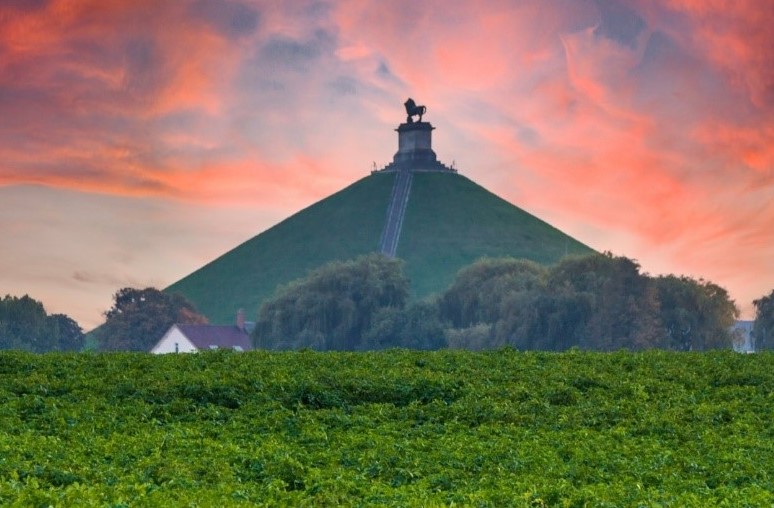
(87, 85)
(640, 125)
(737, 37)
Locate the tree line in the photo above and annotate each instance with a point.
(25, 325)
(137, 319)
(598, 302)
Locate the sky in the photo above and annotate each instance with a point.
(140, 139)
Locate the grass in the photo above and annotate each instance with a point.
(342, 226)
(450, 222)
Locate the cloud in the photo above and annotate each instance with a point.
(287, 53)
(736, 37)
(642, 127)
(619, 22)
(231, 19)
(89, 100)
(106, 279)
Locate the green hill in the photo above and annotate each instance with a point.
(449, 223)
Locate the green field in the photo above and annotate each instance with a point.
(450, 222)
(501, 428)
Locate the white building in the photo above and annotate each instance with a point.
(191, 338)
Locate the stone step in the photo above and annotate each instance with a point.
(396, 211)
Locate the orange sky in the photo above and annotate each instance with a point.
(140, 139)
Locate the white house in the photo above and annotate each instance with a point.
(191, 338)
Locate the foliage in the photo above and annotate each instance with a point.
(140, 317)
(451, 222)
(333, 307)
(595, 302)
(475, 338)
(763, 329)
(25, 325)
(483, 292)
(697, 315)
(418, 326)
(394, 428)
(67, 334)
(620, 305)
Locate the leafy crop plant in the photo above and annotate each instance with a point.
(393, 428)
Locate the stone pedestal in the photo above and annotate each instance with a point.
(415, 150)
(415, 144)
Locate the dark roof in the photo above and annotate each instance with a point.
(217, 336)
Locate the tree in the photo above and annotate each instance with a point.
(66, 332)
(763, 328)
(595, 302)
(476, 338)
(417, 326)
(25, 325)
(140, 317)
(22, 323)
(546, 321)
(493, 303)
(696, 314)
(333, 307)
(480, 291)
(621, 305)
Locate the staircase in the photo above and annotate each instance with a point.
(388, 244)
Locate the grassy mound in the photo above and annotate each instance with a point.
(450, 222)
(342, 226)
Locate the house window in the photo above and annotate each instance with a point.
(176, 348)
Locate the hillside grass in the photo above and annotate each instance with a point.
(343, 226)
(395, 428)
(450, 222)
